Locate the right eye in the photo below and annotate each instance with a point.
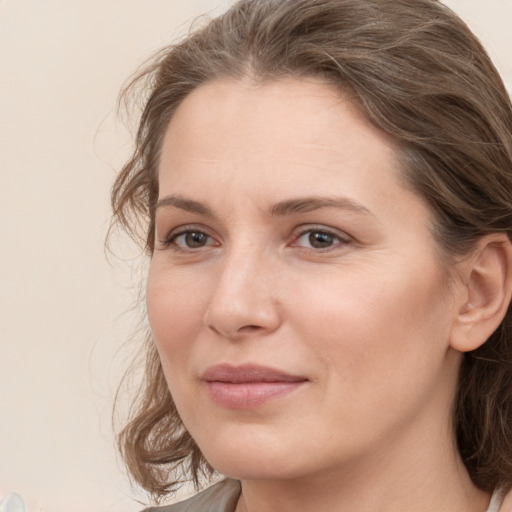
(190, 239)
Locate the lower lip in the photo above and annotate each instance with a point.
(245, 395)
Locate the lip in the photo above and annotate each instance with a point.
(248, 386)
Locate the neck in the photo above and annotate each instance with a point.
(352, 494)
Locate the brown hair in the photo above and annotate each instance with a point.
(419, 74)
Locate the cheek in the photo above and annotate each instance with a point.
(175, 307)
(369, 329)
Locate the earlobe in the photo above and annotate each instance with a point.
(488, 283)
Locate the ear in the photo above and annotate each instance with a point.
(487, 282)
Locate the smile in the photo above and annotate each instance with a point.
(248, 386)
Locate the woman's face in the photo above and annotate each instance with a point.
(295, 293)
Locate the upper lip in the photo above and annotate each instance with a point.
(248, 373)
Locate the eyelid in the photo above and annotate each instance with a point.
(342, 236)
(173, 234)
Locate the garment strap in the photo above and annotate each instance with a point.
(496, 501)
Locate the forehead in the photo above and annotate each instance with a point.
(262, 125)
(226, 101)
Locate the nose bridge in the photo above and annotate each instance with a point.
(243, 298)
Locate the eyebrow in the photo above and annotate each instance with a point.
(182, 203)
(287, 207)
(308, 204)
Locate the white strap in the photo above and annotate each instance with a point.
(496, 501)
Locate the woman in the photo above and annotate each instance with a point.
(328, 193)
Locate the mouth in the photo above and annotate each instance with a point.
(248, 386)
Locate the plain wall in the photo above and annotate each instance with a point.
(64, 311)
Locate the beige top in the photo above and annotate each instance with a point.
(223, 497)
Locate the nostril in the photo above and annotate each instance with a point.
(249, 328)
(245, 329)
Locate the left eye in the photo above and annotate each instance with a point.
(317, 239)
(191, 239)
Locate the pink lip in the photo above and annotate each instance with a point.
(243, 387)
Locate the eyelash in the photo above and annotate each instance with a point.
(170, 240)
(340, 239)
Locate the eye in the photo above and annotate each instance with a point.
(190, 239)
(319, 239)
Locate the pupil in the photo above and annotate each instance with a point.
(195, 239)
(320, 240)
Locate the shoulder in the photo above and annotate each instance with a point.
(221, 497)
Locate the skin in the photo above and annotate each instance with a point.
(366, 319)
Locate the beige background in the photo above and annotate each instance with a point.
(64, 312)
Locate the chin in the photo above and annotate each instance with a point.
(256, 458)
(250, 469)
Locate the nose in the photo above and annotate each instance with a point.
(243, 302)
